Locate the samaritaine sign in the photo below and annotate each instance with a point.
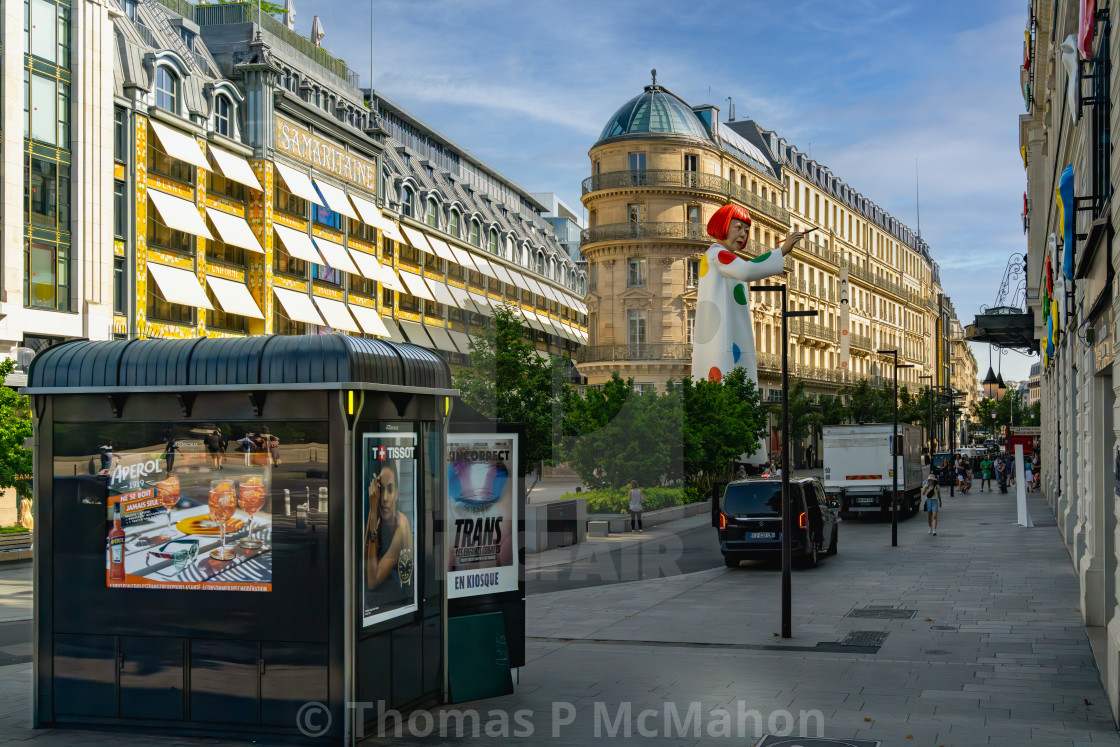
(299, 142)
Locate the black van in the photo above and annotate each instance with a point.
(749, 520)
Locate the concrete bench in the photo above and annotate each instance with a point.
(649, 518)
(15, 546)
(598, 528)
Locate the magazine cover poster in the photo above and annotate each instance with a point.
(388, 487)
(482, 514)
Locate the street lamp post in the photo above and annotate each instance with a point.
(787, 605)
(894, 448)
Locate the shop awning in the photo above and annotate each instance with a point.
(461, 341)
(297, 306)
(530, 319)
(390, 280)
(550, 293)
(441, 338)
(336, 314)
(533, 286)
(336, 199)
(369, 320)
(416, 285)
(179, 145)
(369, 212)
(416, 334)
(297, 243)
(502, 273)
(235, 168)
(441, 292)
(463, 299)
(298, 183)
(179, 286)
(392, 230)
(394, 331)
(233, 229)
(336, 255)
(416, 238)
(482, 302)
(367, 264)
(179, 214)
(234, 297)
(463, 257)
(484, 266)
(440, 247)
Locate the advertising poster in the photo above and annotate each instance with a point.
(179, 518)
(389, 478)
(482, 514)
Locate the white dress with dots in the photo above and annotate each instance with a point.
(723, 336)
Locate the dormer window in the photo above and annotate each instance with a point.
(476, 233)
(167, 89)
(454, 227)
(406, 202)
(433, 213)
(187, 37)
(223, 110)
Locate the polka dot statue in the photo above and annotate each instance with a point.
(723, 336)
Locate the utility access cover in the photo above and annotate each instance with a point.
(882, 613)
(771, 741)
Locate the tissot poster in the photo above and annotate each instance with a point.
(389, 507)
(482, 514)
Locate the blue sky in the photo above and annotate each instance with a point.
(867, 85)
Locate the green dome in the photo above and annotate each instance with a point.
(655, 111)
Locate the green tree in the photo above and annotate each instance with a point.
(507, 380)
(870, 405)
(721, 421)
(15, 428)
(273, 9)
(833, 410)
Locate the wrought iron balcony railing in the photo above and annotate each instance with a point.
(812, 329)
(638, 351)
(862, 342)
(685, 180)
(644, 230)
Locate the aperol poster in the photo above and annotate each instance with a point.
(200, 524)
(482, 514)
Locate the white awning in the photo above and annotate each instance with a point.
(463, 257)
(463, 299)
(298, 183)
(482, 302)
(461, 341)
(416, 285)
(179, 145)
(336, 314)
(484, 266)
(336, 255)
(550, 293)
(234, 297)
(179, 214)
(370, 213)
(518, 279)
(442, 250)
(297, 306)
(441, 338)
(394, 331)
(392, 230)
(390, 280)
(235, 168)
(234, 230)
(532, 320)
(179, 286)
(441, 292)
(298, 244)
(416, 334)
(416, 238)
(502, 273)
(369, 319)
(368, 266)
(533, 286)
(336, 199)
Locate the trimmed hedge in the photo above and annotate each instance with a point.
(12, 530)
(618, 501)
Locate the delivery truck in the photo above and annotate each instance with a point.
(858, 473)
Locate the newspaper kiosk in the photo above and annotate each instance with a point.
(232, 529)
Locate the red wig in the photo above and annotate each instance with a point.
(720, 223)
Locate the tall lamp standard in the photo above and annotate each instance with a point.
(787, 606)
(895, 450)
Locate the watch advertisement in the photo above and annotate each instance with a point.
(389, 479)
(482, 514)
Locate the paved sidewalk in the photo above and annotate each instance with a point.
(994, 654)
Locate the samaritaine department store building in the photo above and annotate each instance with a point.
(257, 193)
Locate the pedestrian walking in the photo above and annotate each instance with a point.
(932, 494)
(274, 449)
(809, 456)
(986, 474)
(962, 469)
(246, 443)
(214, 447)
(636, 499)
(169, 452)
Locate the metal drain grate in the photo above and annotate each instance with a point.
(864, 638)
(882, 613)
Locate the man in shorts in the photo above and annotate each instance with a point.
(986, 473)
(931, 494)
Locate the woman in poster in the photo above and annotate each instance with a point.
(389, 551)
(723, 338)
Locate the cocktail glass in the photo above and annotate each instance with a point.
(251, 497)
(223, 504)
(168, 493)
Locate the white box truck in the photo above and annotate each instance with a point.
(858, 472)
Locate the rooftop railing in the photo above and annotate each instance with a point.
(685, 180)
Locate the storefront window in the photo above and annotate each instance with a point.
(161, 163)
(218, 319)
(364, 286)
(162, 310)
(288, 203)
(220, 251)
(162, 237)
(282, 325)
(220, 185)
(286, 264)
